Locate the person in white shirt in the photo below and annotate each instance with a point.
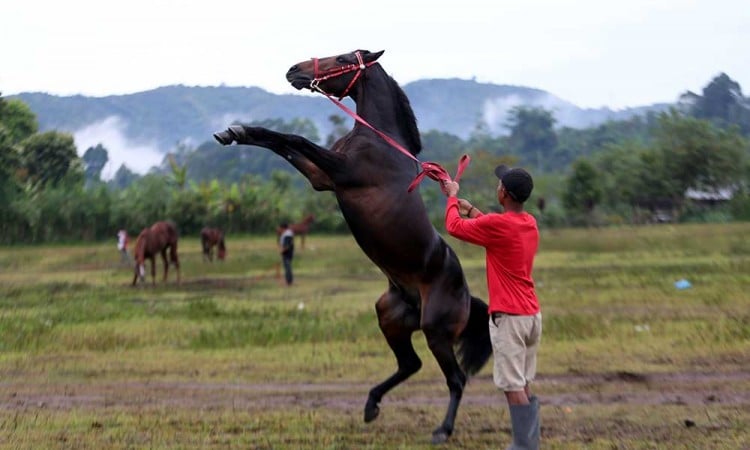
(122, 246)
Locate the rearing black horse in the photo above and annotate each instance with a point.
(427, 289)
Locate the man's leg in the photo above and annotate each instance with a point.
(288, 270)
(511, 374)
(525, 422)
(537, 425)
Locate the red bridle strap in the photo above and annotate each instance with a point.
(429, 169)
(438, 173)
(338, 71)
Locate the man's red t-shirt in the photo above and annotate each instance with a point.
(511, 241)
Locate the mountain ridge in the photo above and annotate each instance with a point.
(166, 116)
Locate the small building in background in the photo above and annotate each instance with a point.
(710, 198)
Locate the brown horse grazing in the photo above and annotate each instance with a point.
(156, 239)
(426, 289)
(211, 237)
(299, 229)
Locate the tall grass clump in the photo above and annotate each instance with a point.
(275, 326)
(572, 326)
(24, 334)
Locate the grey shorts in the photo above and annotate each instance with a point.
(515, 340)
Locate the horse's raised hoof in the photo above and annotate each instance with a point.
(237, 132)
(223, 137)
(440, 436)
(371, 411)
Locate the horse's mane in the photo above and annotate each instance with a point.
(410, 121)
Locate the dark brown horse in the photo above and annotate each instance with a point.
(210, 238)
(426, 288)
(158, 238)
(299, 229)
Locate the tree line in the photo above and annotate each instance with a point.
(629, 171)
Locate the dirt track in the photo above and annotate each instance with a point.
(694, 388)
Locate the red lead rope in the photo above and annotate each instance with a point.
(438, 173)
(429, 169)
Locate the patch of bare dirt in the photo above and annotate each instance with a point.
(682, 388)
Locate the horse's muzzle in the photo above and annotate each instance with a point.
(297, 78)
(300, 82)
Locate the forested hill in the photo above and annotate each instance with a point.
(172, 114)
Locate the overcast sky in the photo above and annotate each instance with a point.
(590, 52)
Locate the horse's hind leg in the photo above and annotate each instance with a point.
(398, 320)
(441, 346)
(166, 265)
(206, 251)
(175, 259)
(441, 329)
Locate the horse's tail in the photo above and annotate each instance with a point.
(474, 346)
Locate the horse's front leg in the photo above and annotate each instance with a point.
(138, 272)
(318, 164)
(153, 270)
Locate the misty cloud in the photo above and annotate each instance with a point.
(495, 112)
(109, 132)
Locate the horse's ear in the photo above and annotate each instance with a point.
(372, 56)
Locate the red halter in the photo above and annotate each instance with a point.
(338, 71)
(429, 169)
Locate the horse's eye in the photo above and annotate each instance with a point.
(341, 59)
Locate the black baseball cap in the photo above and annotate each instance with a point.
(517, 182)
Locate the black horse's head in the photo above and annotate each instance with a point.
(335, 75)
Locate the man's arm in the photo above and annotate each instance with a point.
(465, 208)
(468, 210)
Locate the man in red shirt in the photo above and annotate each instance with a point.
(511, 239)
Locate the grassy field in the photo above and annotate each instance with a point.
(232, 359)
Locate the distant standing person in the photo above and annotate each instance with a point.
(122, 246)
(286, 248)
(510, 239)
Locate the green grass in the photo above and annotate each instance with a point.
(71, 323)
